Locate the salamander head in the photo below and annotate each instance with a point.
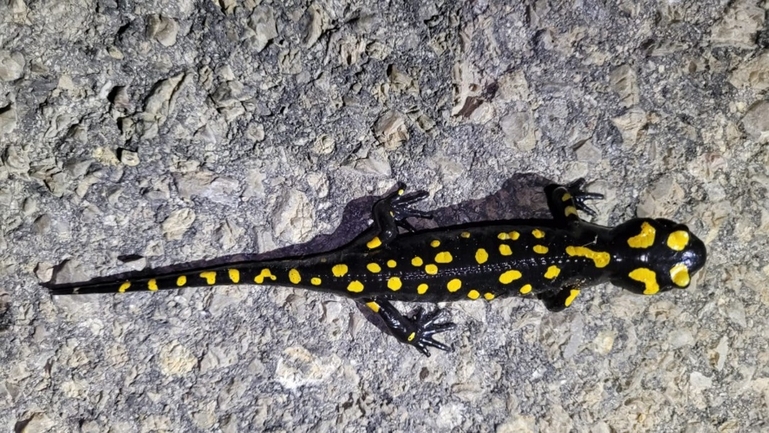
(655, 255)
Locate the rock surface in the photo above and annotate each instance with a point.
(161, 133)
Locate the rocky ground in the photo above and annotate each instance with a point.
(137, 136)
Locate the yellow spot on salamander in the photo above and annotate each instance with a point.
(513, 235)
(373, 306)
(566, 197)
(473, 294)
(481, 256)
(394, 283)
(435, 243)
(422, 289)
(417, 261)
(540, 249)
(680, 275)
(339, 270)
(465, 235)
(152, 285)
(294, 277)
(431, 269)
(373, 243)
(209, 276)
(316, 281)
(265, 273)
(181, 280)
(505, 250)
(489, 296)
(508, 277)
(391, 263)
(443, 257)
(600, 258)
(552, 272)
(645, 239)
(569, 211)
(573, 293)
(124, 287)
(412, 336)
(355, 286)
(234, 275)
(526, 289)
(678, 240)
(537, 233)
(648, 277)
(374, 268)
(454, 285)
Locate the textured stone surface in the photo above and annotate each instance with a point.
(169, 132)
(756, 122)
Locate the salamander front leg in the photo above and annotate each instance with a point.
(417, 331)
(565, 200)
(391, 212)
(560, 300)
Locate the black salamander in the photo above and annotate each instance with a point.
(551, 260)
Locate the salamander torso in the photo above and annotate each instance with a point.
(547, 260)
(452, 265)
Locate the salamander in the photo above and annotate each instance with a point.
(550, 260)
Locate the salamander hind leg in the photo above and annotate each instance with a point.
(565, 200)
(391, 212)
(417, 331)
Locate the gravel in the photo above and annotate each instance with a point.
(141, 134)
